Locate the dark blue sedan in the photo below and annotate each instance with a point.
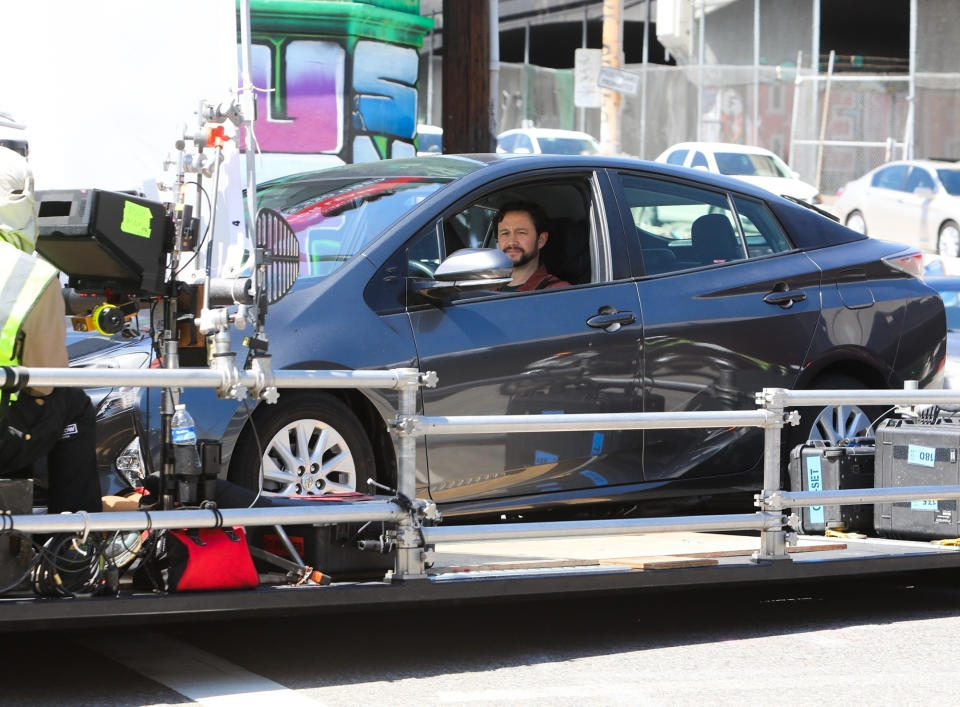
(687, 291)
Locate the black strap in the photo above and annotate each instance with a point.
(546, 282)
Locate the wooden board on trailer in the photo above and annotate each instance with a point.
(645, 550)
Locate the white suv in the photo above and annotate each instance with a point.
(751, 164)
(546, 141)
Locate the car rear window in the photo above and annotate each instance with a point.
(950, 178)
(566, 146)
(739, 163)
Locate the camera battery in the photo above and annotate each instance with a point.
(915, 453)
(816, 466)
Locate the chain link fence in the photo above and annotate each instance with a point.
(830, 130)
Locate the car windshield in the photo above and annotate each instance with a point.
(950, 178)
(335, 214)
(567, 146)
(755, 165)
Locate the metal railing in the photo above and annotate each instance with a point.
(412, 537)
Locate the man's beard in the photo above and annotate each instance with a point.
(526, 257)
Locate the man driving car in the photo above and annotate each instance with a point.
(522, 234)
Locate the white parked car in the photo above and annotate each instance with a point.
(546, 141)
(913, 201)
(751, 164)
(429, 140)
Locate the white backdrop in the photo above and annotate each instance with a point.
(106, 86)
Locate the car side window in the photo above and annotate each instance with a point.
(465, 229)
(677, 157)
(567, 208)
(699, 160)
(762, 233)
(507, 142)
(681, 227)
(919, 177)
(891, 177)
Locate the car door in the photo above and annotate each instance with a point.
(913, 219)
(571, 349)
(881, 203)
(729, 307)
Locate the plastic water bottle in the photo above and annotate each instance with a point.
(186, 459)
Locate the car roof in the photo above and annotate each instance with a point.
(455, 166)
(928, 163)
(719, 147)
(548, 132)
(467, 172)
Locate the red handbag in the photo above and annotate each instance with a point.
(199, 560)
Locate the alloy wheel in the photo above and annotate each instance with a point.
(308, 456)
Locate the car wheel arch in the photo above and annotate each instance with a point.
(366, 411)
(860, 368)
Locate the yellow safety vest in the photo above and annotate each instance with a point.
(23, 278)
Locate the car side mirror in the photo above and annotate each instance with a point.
(923, 192)
(466, 270)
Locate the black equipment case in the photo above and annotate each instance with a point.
(815, 466)
(915, 453)
(331, 549)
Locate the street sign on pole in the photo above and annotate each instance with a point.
(586, 72)
(618, 80)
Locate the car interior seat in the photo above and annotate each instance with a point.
(567, 253)
(713, 240)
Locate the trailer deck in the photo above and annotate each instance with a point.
(511, 569)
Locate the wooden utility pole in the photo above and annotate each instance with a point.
(466, 76)
(613, 58)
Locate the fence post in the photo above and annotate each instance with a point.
(773, 541)
(410, 550)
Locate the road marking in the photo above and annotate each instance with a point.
(196, 674)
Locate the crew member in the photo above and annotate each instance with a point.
(522, 234)
(56, 423)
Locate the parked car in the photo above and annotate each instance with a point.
(751, 164)
(429, 140)
(913, 201)
(949, 290)
(688, 291)
(546, 141)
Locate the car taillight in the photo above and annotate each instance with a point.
(840, 191)
(910, 262)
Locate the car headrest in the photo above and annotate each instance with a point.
(566, 253)
(714, 240)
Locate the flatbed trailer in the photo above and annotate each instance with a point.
(488, 571)
(503, 561)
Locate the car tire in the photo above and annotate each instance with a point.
(948, 240)
(832, 423)
(856, 222)
(336, 455)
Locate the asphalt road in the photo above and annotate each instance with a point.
(880, 644)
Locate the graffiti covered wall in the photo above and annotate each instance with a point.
(340, 81)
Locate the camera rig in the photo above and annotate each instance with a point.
(121, 252)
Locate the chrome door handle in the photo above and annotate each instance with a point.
(785, 299)
(609, 319)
